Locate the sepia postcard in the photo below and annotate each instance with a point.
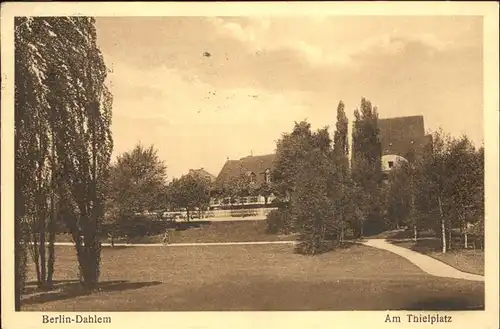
(250, 165)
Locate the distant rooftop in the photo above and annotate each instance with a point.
(257, 164)
(202, 173)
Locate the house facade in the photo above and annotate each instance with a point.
(252, 171)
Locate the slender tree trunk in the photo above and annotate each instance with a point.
(412, 210)
(36, 258)
(443, 231)
(43, 262)
(20, 258)
(53, 216)
(464, 232)
(443, 226)
(51, 249)
(449, 235)
(465, 240)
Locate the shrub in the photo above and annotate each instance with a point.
(274, 221)
(279, 221)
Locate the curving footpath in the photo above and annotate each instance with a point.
(426, 263)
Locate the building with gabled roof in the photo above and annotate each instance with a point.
(402, 139)
(256, 168)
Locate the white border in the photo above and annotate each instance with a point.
(241, 320)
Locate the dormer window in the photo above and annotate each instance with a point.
(268, 176)
(251, 177)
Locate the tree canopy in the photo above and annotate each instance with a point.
(63, 136)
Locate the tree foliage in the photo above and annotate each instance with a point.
(303, 172)
(63, 137)
(291, 150)
(137, 184)
(190, 192)
(366, 163)
(137, 180)
(344, 207)
(451, 187)
(312, 205)
(398, 196)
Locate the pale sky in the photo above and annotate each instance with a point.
(264, 73)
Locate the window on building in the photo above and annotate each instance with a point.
(251, 178)
(391, 164)
(268, 176)
(253, 199)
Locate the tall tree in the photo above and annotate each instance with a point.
(366, 161)
(304, 174)
(61, 88)
(465, 175)
(341, 134)
(312, 207)
(341, 155)
(433, 186)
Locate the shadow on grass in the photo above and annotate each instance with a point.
(423, 246)
(182, 226)
(328, 247)
(115, 247)
(261, 293)
(400, 234)
(427, 245)
(445, 304)
(66, 289)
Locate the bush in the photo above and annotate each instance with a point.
(307, 247)
(274, 222)
(278, 221)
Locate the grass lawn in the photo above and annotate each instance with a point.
(252, 278)
(230, 231)
(466, 260)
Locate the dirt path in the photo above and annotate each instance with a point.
(425, 263)
(183, 244)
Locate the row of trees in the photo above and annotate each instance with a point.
(446, 184)
(138, 184)
(63, 143)
(326, 195)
